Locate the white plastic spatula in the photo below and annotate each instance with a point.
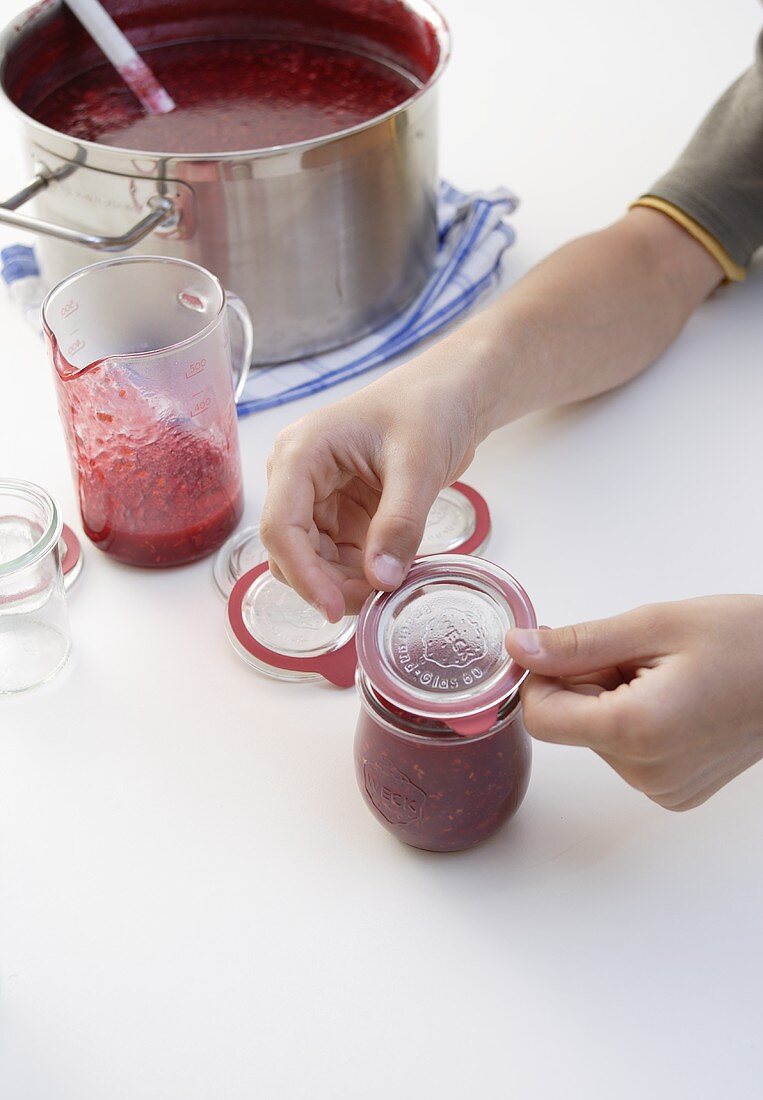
(130, 66)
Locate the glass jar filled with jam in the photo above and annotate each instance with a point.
(442, 756)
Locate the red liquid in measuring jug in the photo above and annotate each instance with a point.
(155, 488)
(246, 94)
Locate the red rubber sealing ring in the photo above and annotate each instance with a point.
(338, 667)
(73, 550)
(482, 513)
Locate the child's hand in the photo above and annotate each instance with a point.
(671, 696)
(350, 486)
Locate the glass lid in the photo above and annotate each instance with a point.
(435, 647)
(275, 630)
(458, 522)
(240, 553)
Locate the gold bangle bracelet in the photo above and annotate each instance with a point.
(733, 271)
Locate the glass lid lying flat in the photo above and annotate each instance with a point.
(458, 521)
(240, 553)
(275, 630)
(281, 620)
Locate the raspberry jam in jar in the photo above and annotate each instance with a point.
(442, 756)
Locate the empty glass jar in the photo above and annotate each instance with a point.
(34, 626)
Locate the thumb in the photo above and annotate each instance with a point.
(584, 647)
(396, 530)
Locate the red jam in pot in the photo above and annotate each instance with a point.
(442, 756)
(434, 789)
(230, 95)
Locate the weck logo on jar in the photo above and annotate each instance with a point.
(393, 794)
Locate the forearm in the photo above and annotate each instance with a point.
(588, 318)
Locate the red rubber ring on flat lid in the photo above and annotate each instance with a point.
(338, 667)
(73, 550)
(482, 513)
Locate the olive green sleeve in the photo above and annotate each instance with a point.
(718, 179)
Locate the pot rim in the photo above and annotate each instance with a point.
(425, 9)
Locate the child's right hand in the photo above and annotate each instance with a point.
(350, 486)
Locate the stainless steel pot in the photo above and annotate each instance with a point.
(324, 240)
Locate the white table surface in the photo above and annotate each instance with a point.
(194, 901)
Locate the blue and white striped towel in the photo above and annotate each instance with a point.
(473, 239)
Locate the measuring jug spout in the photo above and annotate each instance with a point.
(64, 368)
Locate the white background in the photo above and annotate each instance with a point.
(194, 901)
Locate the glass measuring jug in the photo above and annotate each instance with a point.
(140, 347)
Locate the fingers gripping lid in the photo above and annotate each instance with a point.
(435, 647)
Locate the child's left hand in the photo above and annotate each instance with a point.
(670, 695)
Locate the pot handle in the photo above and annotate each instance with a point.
(162, 209)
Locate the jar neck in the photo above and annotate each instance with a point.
(427, 729)
(31, 505)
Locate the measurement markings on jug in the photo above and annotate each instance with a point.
(203, 402)
(195, 368)
(69, 307)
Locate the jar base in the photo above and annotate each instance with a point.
(31, 653)
(454, 850)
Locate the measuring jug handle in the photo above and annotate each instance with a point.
(241, 372)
